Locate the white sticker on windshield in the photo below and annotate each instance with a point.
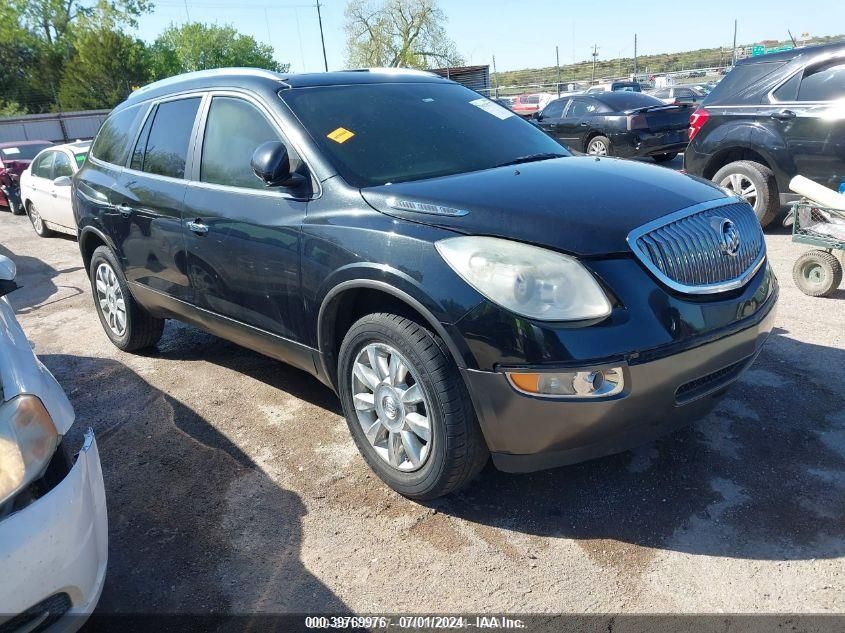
(491, 107)
(9, 151)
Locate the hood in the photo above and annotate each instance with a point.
(579, 205)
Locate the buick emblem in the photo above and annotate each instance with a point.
(728, 237)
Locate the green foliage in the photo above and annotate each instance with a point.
(391, 33)
(10, 108)
(54, 20)
(197, 46)
(103, 71)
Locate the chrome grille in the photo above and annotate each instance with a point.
(689, 250)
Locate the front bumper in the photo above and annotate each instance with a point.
(57, 545)
(526, 433)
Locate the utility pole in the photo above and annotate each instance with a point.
(733, 63)
(557, 62)
(187, 15)
(595, 56)
(636, 69)
(495, 78)
(322, 39)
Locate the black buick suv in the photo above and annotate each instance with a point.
(465, 285)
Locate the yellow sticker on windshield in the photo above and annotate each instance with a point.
(341, 135)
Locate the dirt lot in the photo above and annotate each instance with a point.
(233, 485)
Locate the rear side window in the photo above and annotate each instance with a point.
(137, 161)
(112, 142)
(167, 146)
(233, 131)
(740, 78)
(825, 82)
(62, 165)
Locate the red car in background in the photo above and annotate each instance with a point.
(528, 104)
(14, 158)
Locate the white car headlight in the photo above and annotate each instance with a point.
(28, 440)
(530, 281)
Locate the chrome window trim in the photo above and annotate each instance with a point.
(723, 286)
(815, 60)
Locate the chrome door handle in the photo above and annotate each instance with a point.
(784, 115)
(125, 210)
(196, 226)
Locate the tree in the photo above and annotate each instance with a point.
(106, 67)
(392, 33)
(196, 46)
(10, 108)
(52, 20)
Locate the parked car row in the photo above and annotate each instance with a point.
(14, 158)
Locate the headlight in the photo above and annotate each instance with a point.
(28, 440)
(530, 281)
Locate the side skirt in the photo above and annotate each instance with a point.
(161, 305)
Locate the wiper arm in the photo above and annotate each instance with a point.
(532, 158)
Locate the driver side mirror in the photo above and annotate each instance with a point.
(62, 181)
(271, 163)
(537, 116)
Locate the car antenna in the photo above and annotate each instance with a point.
(794, 43)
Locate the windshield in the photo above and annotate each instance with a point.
(22, 152)
(375, 134)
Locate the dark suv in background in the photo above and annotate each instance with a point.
(773, 117)
(465, 284)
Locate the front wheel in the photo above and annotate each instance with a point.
(126, 323)
(407, 407)
(817, 273)
(598, 146)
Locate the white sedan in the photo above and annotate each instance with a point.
(45, 188)
(53, 525)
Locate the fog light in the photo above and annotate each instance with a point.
(585, 383)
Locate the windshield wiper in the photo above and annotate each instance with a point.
(532, 158)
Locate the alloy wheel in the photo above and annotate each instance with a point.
(597, 148)
(36, 220)
(111, 299)
(742, 186)
(391, 406)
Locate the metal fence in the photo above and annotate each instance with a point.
(56, 127)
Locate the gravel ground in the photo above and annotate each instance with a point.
(233, 485)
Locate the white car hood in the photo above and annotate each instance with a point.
(22, 372)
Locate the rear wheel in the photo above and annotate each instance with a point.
(599, 146)
(127, 324)
(407, 407)
(664, 158)
(753, 182)
(37, 221)
(817, 273)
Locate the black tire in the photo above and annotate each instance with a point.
(458, 451)
(664, 158)
(817, 273)
(34, 217)
(15, 207)
(141, 329)
(767, 203)
(599, 139)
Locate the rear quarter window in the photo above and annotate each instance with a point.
(113, 139)
(740, 79)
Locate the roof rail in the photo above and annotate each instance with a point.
(201, 74)
(393, 71)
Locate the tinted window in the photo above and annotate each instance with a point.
(233, 130)
(825, 82)
(740, 78)
(167, 145)
(62, 165)
(554, 110)
(621, 101)
(581, 107)
(22, 152)
(394, 132)
(112, 142)
(42, 165)
(789, 90)
(137, 161)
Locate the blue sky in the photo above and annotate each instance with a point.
(520, 34)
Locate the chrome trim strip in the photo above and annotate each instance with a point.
(424, 207)
(662, 224)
